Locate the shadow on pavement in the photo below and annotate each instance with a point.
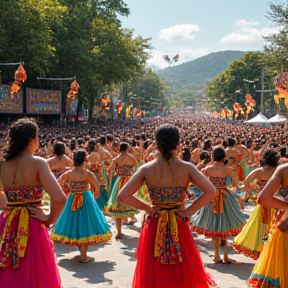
(92, 272)
(130, 247)
(98, 246)
(62, 249)
(238, 269)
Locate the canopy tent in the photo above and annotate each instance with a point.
(259, 119)
(277, 119)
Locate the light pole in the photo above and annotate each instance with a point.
(250, 82)
(262, 91)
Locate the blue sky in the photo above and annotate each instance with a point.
(193, 28)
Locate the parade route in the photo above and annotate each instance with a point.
(115, 263)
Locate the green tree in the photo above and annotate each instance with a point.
(72, 38)
(276, 50)
(92, 45)
(147, 85)
(26, 33)
(222, 93)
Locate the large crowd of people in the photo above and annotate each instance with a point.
(188, 172)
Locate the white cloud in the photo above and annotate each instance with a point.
(185, 54)
(179, 32)
(242, 23)
(248, 32)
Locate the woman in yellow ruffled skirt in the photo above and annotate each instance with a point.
(250, 240)
(272, 265)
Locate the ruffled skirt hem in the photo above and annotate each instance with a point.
(247, 252)
(88, 241)
(259, 281)
(217, 234)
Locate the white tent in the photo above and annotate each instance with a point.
(259, 119)
(277, 119)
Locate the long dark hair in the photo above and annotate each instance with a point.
(79, 157)
(59, 149)
(19, 135)
(218, 153)
(167, 138)
(270, 158)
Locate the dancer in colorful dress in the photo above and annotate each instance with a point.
(27, 259)
(59, 162)
(81, 223)
(222, 217)
(250, 240)
(234, 158)
(93, 158)
(104, 173)
(167, 255)
(272, 265)
(123, 165)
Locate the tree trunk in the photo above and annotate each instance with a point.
(91, 106)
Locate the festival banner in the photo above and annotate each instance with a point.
(10, 104)
(40, 101)
(71, 106)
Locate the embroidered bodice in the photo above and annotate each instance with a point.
(221, 189)
(218, 182)
(167, 246)
(79, 186)
(124, 170)
(18, 195)
(58, 172)
(167, 197)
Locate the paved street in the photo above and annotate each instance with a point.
(115, 263)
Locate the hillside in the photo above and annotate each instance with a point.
(195, 74)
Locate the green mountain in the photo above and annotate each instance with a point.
(197, 73)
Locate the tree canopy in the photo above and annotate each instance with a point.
(222, 93)
(72, 38)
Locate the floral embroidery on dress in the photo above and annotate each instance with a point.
(167, 246)
(14, 237)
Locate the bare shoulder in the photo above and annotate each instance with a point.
(132, 157)
(40, 161)
(90, 174)
(208, 167)
(282, 169)
(148, 166)
(116, 158)
(186, 164)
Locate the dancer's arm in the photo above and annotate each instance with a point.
(95, 188)
(52, 187)
(130, 188)
(266, 197)
(206, 187)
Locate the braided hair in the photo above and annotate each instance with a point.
(91, 145)
(19, 135)
(167, 138)
(270, 158)
(59, 149)
(79, 157)
(123, 146)
(218, 153)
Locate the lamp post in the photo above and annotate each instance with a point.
(250, 82)
(262, 91)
